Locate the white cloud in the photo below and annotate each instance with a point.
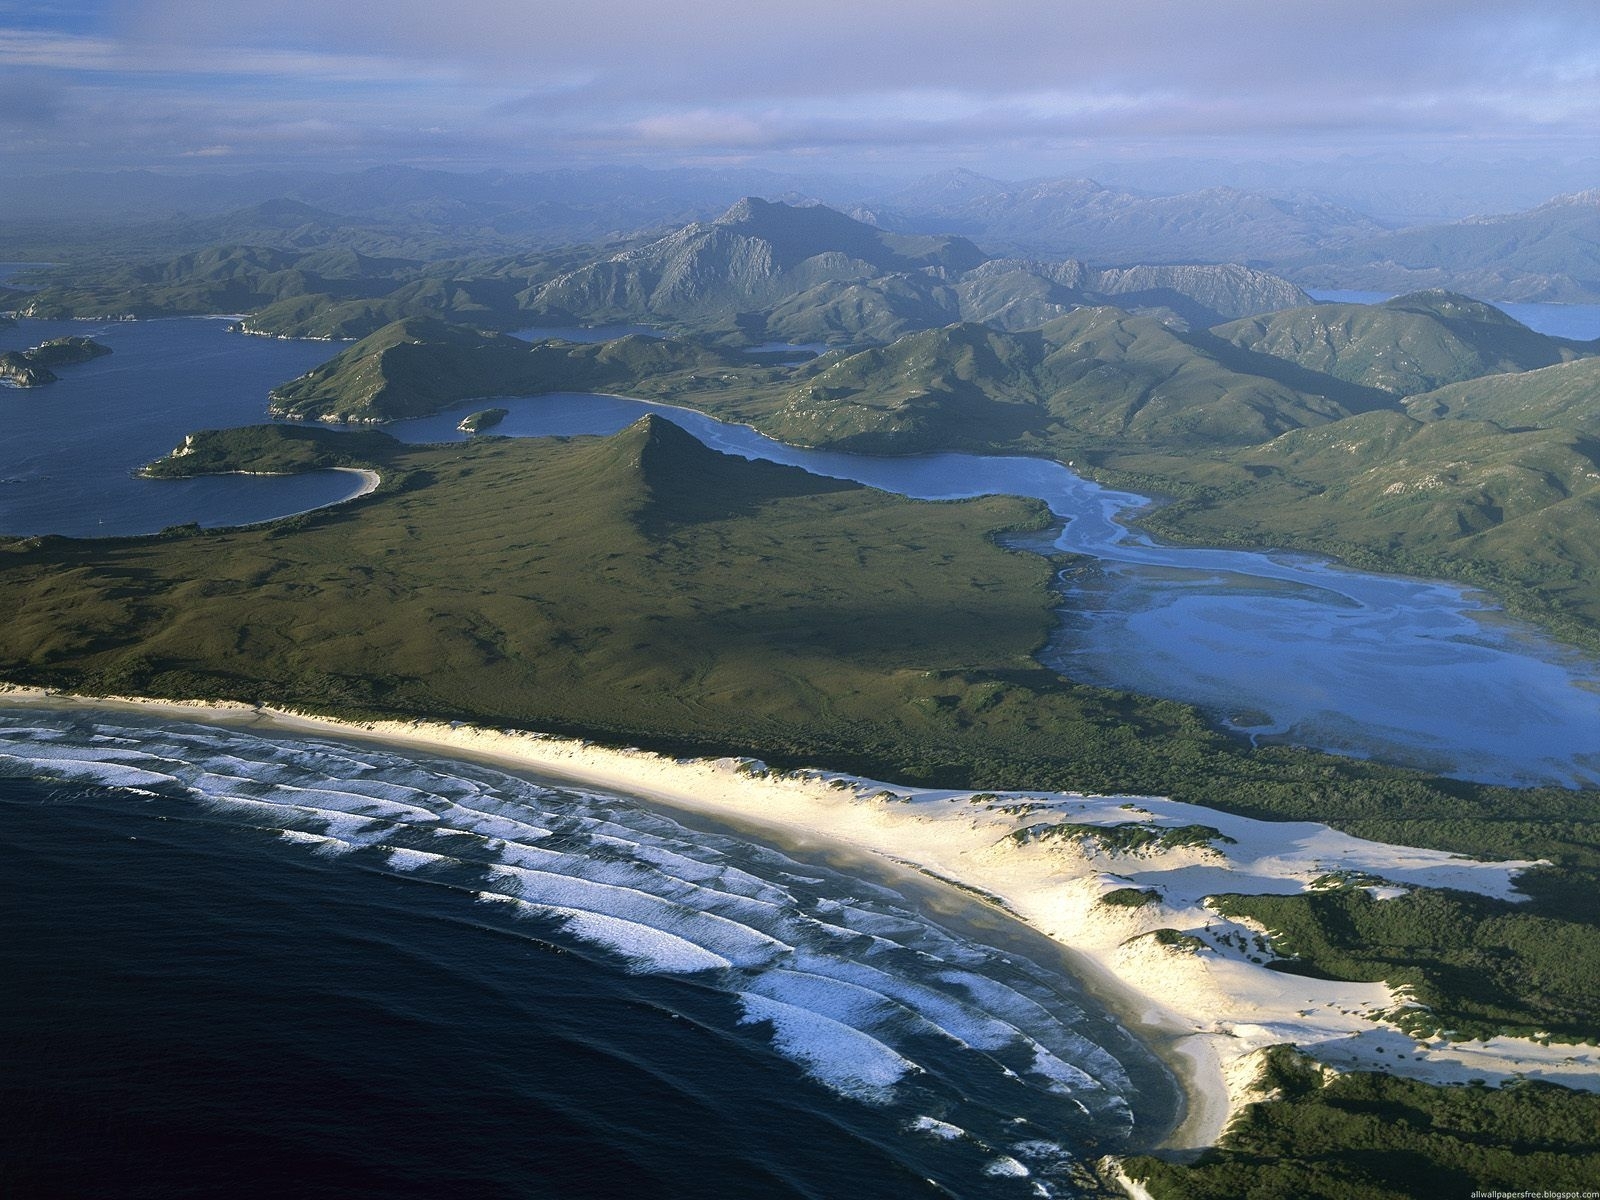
(726, 77)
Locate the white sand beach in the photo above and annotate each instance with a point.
(1202, 995)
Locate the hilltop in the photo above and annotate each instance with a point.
(420, 365)
(1410, 344)
(1096, 377)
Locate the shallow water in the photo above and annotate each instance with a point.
(307, 951)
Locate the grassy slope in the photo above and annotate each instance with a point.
(420, 365)
(645, 588)
(1489, 482)
(612, 585)
(1410, 344)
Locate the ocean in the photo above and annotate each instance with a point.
(246, 964)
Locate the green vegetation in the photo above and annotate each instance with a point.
(1095, 377)
(420, 365)
(1130, 897)
(1491, 481)
(1410, 344)
(1129, 837)
(272, 450)
(1376, 1137)
(32, 368)
(1478, 966)
(1459, 499)
(483, 419)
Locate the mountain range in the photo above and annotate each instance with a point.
(761, 271)
(1544, 253)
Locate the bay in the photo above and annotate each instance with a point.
(71, 448)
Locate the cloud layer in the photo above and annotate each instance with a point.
(1007, 87)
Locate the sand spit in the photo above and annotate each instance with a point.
(1194, 983)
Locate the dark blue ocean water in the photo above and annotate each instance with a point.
(280, 967)
(69, 450)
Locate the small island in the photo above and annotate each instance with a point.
(32, 368)
(484, 419)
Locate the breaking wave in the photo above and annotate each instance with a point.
(841, 976)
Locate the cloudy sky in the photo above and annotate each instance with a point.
(1010, 87)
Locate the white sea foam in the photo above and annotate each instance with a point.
(491, 824)
(936, 1128)
(739, 943)
(961, 1022)
(650, 950)
(1006, 1167)
(838, 1056)
(401, 859)
(1065, 1079)
(61, 752)
(105, 774)
(849, 977)
(347, 827)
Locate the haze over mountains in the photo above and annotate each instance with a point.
(760, 271)
(1543, 253)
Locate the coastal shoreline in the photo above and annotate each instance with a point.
(1203, 1002)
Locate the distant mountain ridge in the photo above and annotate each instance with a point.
(1547, 254)
(752, 256)
(1110, 227)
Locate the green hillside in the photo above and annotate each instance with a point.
(1562, 396)
(639, 587)
(1410, 344)
(1457, 499)
(421, 365)
(1094, 378)
(1550, 253)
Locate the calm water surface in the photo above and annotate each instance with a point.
(70, 448)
